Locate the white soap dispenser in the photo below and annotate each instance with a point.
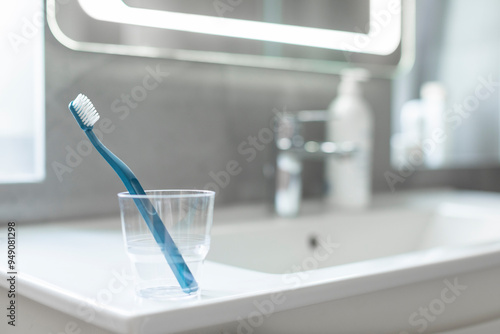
(350, 120)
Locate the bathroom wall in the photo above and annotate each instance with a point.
(185, 130)
(191, 125)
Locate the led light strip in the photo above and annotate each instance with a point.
(383, 38)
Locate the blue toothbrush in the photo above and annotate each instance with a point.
(85, 114)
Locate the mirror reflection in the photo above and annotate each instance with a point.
(447, 108)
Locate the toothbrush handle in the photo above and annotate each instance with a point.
(148, 212)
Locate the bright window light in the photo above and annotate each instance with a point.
(22, 138)
(383, 37)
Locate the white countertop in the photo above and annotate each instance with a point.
(60, 265)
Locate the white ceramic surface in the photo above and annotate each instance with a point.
(80, 268)
(275, 246)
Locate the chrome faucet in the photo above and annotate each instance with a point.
(292, 151)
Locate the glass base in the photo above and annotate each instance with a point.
(167, 293)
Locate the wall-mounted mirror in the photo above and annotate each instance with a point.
(446, 110)
(320, 36)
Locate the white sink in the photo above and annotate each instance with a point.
(278, 246)
(324, 272)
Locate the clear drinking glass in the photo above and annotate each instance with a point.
(187, 216)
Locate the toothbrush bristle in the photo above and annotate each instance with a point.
(85, 110)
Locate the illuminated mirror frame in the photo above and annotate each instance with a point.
(384, 36)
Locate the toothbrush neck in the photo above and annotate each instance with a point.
(123, 171)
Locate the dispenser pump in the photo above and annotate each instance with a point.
(350, 81)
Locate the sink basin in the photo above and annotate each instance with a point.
(330, 238)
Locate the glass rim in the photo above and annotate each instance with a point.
(169, 193)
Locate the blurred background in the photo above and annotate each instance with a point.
(178, 106)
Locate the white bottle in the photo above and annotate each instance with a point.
(433, 96)
(351, 120)
(421, 121)
(411, 123)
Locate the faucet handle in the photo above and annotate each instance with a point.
(289, 127)
(289, 138)
(322, 150)
(306, 116)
